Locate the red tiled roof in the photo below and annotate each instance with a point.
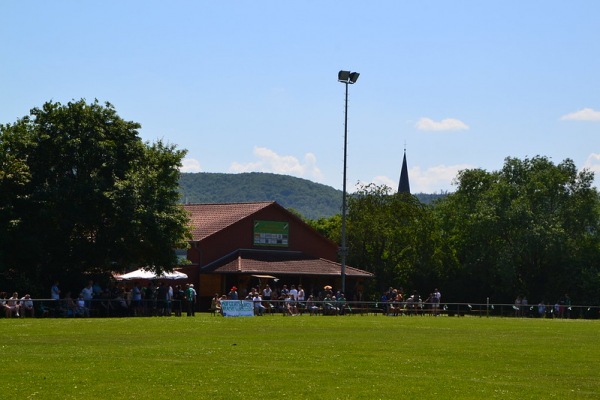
(279, 263)
(207, 219)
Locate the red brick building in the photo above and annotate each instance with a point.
(247, 244)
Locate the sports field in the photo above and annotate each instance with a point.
(304, 357)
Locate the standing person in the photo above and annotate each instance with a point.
(150, 299)
(163, 298)
(524, 306)
(301, 297)
(517, 306)
(136, 299)
(567, 307)
(267, 293)
(55, 291)
(178, 297)
(542, 309)
(169, 300)
(294, 292)
(190, 299)
(87, 293)
(233, 294)
(437, 297)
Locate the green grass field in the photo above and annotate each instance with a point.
(276, 357)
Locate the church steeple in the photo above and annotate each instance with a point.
(404, 185)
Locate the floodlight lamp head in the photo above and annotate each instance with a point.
(343, 76)
(348, 77)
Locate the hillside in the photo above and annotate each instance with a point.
(312, 200)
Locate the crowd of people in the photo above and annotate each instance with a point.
(151, 299)
(15, 306)
(562, 308)
(290, 301)
(163, 299)
(395, 301)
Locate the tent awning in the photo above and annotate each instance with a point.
(142, 274)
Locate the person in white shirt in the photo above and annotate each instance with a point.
(267, 292)
(87, 293)
(436, 298)
(259, 309)
(27, 306)
(12, 306)
(301, 296)
(294, 292)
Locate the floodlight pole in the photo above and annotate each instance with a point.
(343, 249)
(347, 78)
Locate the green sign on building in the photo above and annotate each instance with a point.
(271, 233)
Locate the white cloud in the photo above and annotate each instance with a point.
(269, 161)
(448, 124)
(190, 165)
(384, 180)
(434, 179)
(593, 163)
(586, 114)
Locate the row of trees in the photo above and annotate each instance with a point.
(80, 193)
(531, 228)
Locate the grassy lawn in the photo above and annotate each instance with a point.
(275, 357)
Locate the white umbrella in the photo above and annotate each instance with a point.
(141, 274)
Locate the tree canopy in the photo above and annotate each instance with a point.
(394, 237)
(531, 229)
(80, 192)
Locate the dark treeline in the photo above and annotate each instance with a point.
(529, 229)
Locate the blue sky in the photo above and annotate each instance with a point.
(252, 85)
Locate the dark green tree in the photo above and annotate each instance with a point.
(531, 228)
(330, 227)
(394, 236)
(88, 194)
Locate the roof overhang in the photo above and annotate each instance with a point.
(276, 263)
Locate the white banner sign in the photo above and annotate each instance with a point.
(237, 308)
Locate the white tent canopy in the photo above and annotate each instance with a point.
(142, 274)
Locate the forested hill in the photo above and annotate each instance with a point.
(312, 200)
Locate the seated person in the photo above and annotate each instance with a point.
(105, 302)
(82, 308)
(27, 306)
(341, 304)
(71, 307)
(119, 304)
(329, 305)
(311, 306)
(259, 309)
(290, 305)
(12, 306)
(215, 304)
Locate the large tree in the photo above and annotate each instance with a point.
(531, 228)
(80, 191)
(394, 237)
